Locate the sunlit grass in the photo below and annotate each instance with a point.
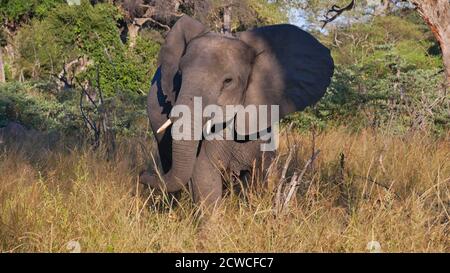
(362, 187)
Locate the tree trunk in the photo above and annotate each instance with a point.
(2, 68)
(133, 32)
(446, 56)
(436, 14)
(227, 20)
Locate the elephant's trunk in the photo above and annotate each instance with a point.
(184, 154)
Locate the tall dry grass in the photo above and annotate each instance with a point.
(362, 187)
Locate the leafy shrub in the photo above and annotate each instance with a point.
(36, 105)
(37, 109)
(410, 100)
(386, 38)
(385, 78)
(14, 10)
(70, 32)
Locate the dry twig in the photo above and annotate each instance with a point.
(282, 179)
(295, 182)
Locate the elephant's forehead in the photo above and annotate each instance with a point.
(216, 48)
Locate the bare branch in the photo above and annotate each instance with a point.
(278, 197)
(142, 21)
(336, 11)
(295, 181)
(83, 90)
(91, 124)
(98, 85)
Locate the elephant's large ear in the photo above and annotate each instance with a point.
(291, 69)
(184, 30)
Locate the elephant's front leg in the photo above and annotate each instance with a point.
(206, 183)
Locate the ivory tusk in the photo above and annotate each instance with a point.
(164, 126)
(208, 127)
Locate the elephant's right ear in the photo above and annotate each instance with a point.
(184, 30)
(292, 69)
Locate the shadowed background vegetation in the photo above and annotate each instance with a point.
(383, 170)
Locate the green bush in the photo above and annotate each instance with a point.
(70, 32)
(35, 105)
(37, 109)
(412, 99)
(385, 78)
(385, 40)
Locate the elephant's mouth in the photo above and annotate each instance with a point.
(208, 126)
(211, 126)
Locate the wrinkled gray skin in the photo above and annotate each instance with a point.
(278, 64)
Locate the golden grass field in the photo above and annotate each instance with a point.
(391, 189)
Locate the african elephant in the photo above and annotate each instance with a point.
(272, 65)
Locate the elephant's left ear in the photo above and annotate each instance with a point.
(291, 69)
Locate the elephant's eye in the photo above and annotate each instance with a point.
(227, 82)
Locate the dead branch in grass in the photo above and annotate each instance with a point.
(282, 200)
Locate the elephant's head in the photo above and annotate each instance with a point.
(274, 65)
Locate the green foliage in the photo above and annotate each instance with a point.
(2, 38)
(245, 13)
(407, 100)
(38, 109)
(35, 105)
(387, 41)
(70, 32)
(40, 54)
(268, 12)
(15, 10)
(87, 30)
(385, 78)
